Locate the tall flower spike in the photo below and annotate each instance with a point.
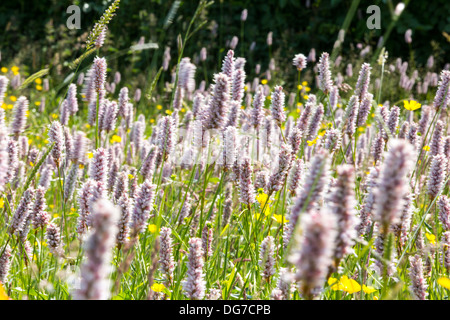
(238, 85)
(266, 258)
(393, 184)
(228, 64)
(437, 174)
(299, 61)
(99, 73)
(3, 86)
(218, 106)
(392, 122)
(194, 285)
(125, 204)
(325, 82)
(314, 123)
(418, 282)
(362, 85)
(246, 188)
(72, 101)
(316, 248)
(5, 263)
(277, 106)
(53, 239)
(366, 212)
(351, 115)
(313, 188)
(364, 109)
(437, 142)
(296, 176)
(56, 136)
(20, 116)
(257, 112)
(95, 283)
(39, 214)
(444, 212)
(143, 206)
(278, 178)
(166, 262)
(99, 166)
(442, 97)
(342, 204)
(303, 120)
(22, 211)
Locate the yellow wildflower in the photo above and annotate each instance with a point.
(279, 218)
(81, 166)
(3, 295)
(368, 289)
(426, 148)
(445, 282)
(350, 285)
(431, 238)
(245, 88)
(305, 97)
(87, 125)
(264, 81)
(2, 203)
(299, 87)
(307, 89)
(55, 215)
(183, 110)
(243, 107)
(411, 105)
(152, 120)
(158, 287)
(4, 70)
(15, 70)
(335, 284)
(38, 81)
(37, 103)
(159, 107)
(130, 176)
(13, 98)
(169, 112)
(90, 155)
(116, 138)
(31, 164)
(54, 116)
(305, 83)
(39, 87)
(152, 228)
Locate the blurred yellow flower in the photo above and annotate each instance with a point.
(90, 155)
(158, 287)
(169, 112)
(152, 228)
(307, 89)
(130, 176)
(305, 83)
(411, 105)
(4, 70)
(299, 87)
(159, 107)
(38, 81)
(54, 116)
(13, 98)
(445, 282)
(37, 103)
(245, 88)
(39, 87)
(152, 120)
(264, 81)
(3, 295)
(15, 70)
(305, 97)
(350, 285)
(368, 289)
(87, 125)
(183, 110)
(335, 284)
(116, 138)
(431, 238)
(426, 148)
(2, 203)
(81, 166)
(279, 218)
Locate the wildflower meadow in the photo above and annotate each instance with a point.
(319, 175)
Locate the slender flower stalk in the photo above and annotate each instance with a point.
(96, 269)
(266, 258)
(166, 262)
(194, 285)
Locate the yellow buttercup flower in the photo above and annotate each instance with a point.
(130, 176)
(264, 201)
(38, 81)
(87, 125)
(4, 70)
(2, 203)
(335, 284)
(90, 155)
(264, 81)
(159, 107)
(305, 83)
(37, 103)
(39, 87)
(116, 138)
(411, 105)
(445, 282)
(169, 112)
(305, 97)
(426, 148)
(350, 285)
(245, 88)
(431, 238)
(307, 89)
(15, 70)
(3, 295)
(152, 120)
(152, 228)
(54, 116)
(280, 219)
(158, 287)
(299, 87)
(13, 98)
(368, 289)
(183, 110)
